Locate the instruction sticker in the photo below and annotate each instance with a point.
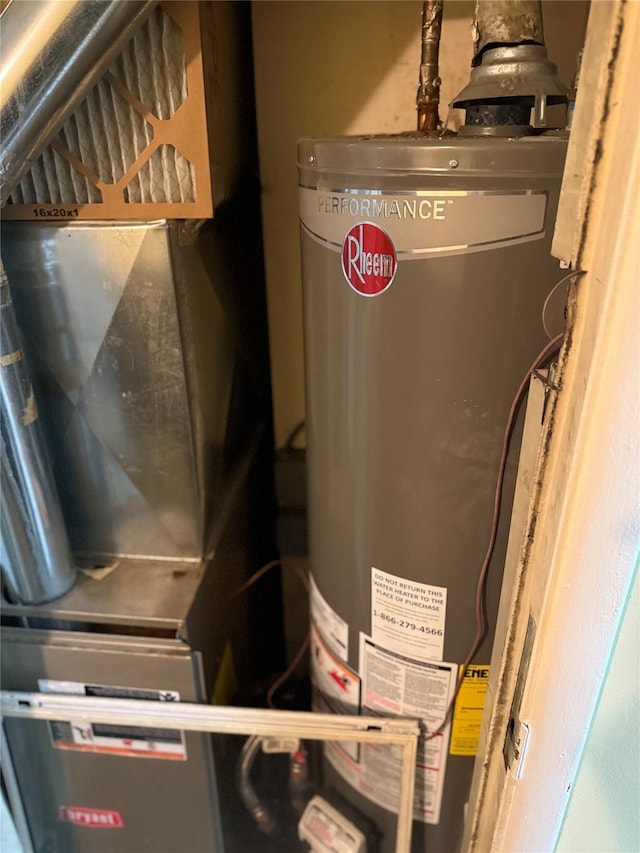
(395, 684)
(111, 739)
(329, 623)
(467, 715)
(408, 617)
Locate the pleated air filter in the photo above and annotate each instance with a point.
(137, 146)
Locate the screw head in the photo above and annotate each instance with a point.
(312, 160)
(454, 164)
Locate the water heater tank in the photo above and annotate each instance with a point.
(426, 268)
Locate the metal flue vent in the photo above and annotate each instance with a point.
(512, 81)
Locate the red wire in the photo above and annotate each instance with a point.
(305, 644)
(482, 577)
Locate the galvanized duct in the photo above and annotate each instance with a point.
(36, 559)
(504, 22)
(511, 74)
(53, 53)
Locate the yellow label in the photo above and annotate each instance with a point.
(226, 683)
(467, 715)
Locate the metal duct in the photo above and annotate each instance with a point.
(504, 22)
(510, 74)
(36, 559)
(52, 54)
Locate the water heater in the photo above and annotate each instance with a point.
(426, 270)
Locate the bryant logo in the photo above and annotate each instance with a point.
(96, 818)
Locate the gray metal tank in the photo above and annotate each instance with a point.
(426, 266)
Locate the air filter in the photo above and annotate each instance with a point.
(137, 146)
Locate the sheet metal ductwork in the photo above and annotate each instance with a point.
(511, 74)
(36, 558)
(501, 23)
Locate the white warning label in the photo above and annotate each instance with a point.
(111, 739)
(408, 617)
(128, 741)
(334, 679)
(331, 625)
(336, 689)
(47, 685)
(327, 830)
(394, 684)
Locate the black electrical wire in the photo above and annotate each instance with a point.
(295, 432)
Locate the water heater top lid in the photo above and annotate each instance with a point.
(450, 154)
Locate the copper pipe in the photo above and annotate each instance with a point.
(428, 96)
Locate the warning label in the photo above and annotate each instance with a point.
(467, 715)
(336, 688)
(130, 741)
(110, 739)
(76, 688)
(408, 617)
(326, 829)
(329, 623)
(334, 679)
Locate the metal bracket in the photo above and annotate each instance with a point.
(546, 381)
(519, 748)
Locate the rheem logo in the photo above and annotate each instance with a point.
(369, 261)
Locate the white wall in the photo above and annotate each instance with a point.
(604, 810)
(334, 68)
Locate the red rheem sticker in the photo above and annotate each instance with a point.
(94, 818)
(369, 261)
